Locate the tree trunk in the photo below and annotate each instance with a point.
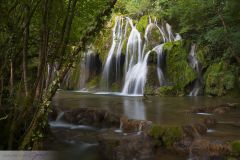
(11, 77)
(43, 52)
(67, 28)
(1, 88)
(25, 49)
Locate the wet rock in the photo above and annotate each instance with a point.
(201, 128)
(189, 135)
(218, 109)
(131, 146)
(202, 149)
(131, 125)
(54, 113)
(209, 122)
(139, 148)
(193, 132)
(93, 117)
(221, 110)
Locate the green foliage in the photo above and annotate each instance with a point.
(102, 41)
(137, 7)
(54, 27)
(219, 78)
(203, 56)
(212, 24)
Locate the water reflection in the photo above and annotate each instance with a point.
(134, 109)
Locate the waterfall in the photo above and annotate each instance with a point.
(196, 66)
(170, 32)
(177, 37)
(134, 71)
(85, 66)
(160, 60)
(60, 116)
(134, 45)
(115, 51)
(136, 77)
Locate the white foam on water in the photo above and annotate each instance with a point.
(204, 114)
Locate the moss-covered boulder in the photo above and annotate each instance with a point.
(165, 91)
(178, 71)
(94, 83)
(235, 148)
(220, 79)
(166, 135)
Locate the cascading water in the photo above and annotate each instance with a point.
(196, 66)
(177, 37)
(135, 64)
(119, 34)
(160, 60)
(136, 77)
(136, 56)
(85, 65)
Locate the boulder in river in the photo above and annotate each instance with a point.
(131, 125)
(91, 116)
(204, 149)
(217, 109)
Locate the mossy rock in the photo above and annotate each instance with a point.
(142, 24)
(94, 83)
(166, 135)
(149, 90)
(104, 39)
(235, 147)
(165, 91)
(220, 79)
(203, 56)
(178, 71)
(116, 87)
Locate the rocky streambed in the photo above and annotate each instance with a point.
(93, 133)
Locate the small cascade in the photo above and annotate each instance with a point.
(119, 33)
(51, 72)
(160, 61)
(178, 37)
(196, 66)
(136, 77)
(60, 123)
(170, 33)
(85, 66)
(134, 48)
(60, 116)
